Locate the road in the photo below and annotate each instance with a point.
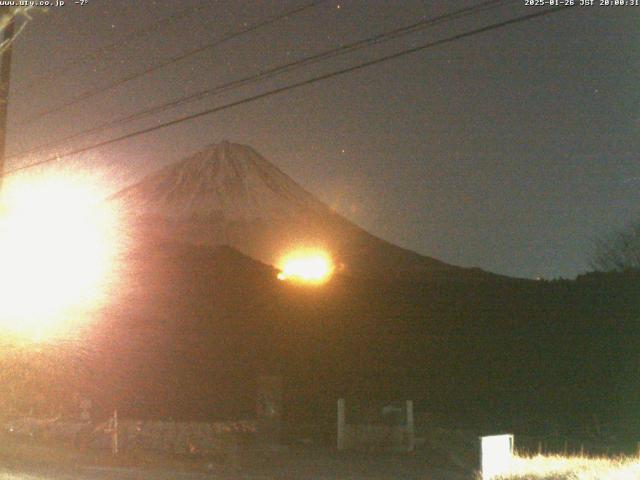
(288, 465)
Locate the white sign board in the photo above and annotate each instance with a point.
(496, 455)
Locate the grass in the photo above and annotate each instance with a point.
(558, 467)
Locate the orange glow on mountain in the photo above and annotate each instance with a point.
(58, 248)
(308, 266)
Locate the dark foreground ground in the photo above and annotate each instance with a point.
(282, 463)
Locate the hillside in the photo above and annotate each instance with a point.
(207, 322)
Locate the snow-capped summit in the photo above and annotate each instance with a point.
(227, 181)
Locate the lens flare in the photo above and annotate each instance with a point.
(309, 266)
(58, 248)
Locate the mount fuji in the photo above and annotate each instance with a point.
(228, 194)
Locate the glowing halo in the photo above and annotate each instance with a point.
(58, 248)
(307, 266)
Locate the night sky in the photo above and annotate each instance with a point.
(511, 150)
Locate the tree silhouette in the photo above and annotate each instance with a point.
(619, 251)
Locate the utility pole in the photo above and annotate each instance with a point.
(5, 77)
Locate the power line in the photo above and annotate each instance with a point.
(265, 74)
(170, 61)
(124, 41)
(310, 81)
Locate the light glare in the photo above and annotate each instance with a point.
(309, 266)
(58, 246)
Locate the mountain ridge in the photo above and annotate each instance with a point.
(228, 194)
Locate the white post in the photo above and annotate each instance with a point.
(411, 436)
(496, 455)
(114, 438)
(341, 424)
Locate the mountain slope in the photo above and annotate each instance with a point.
(229, 194)
(196, 325)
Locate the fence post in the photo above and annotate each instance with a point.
(269, 409)
(114, 434)
(411, 436)
(341, 424)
